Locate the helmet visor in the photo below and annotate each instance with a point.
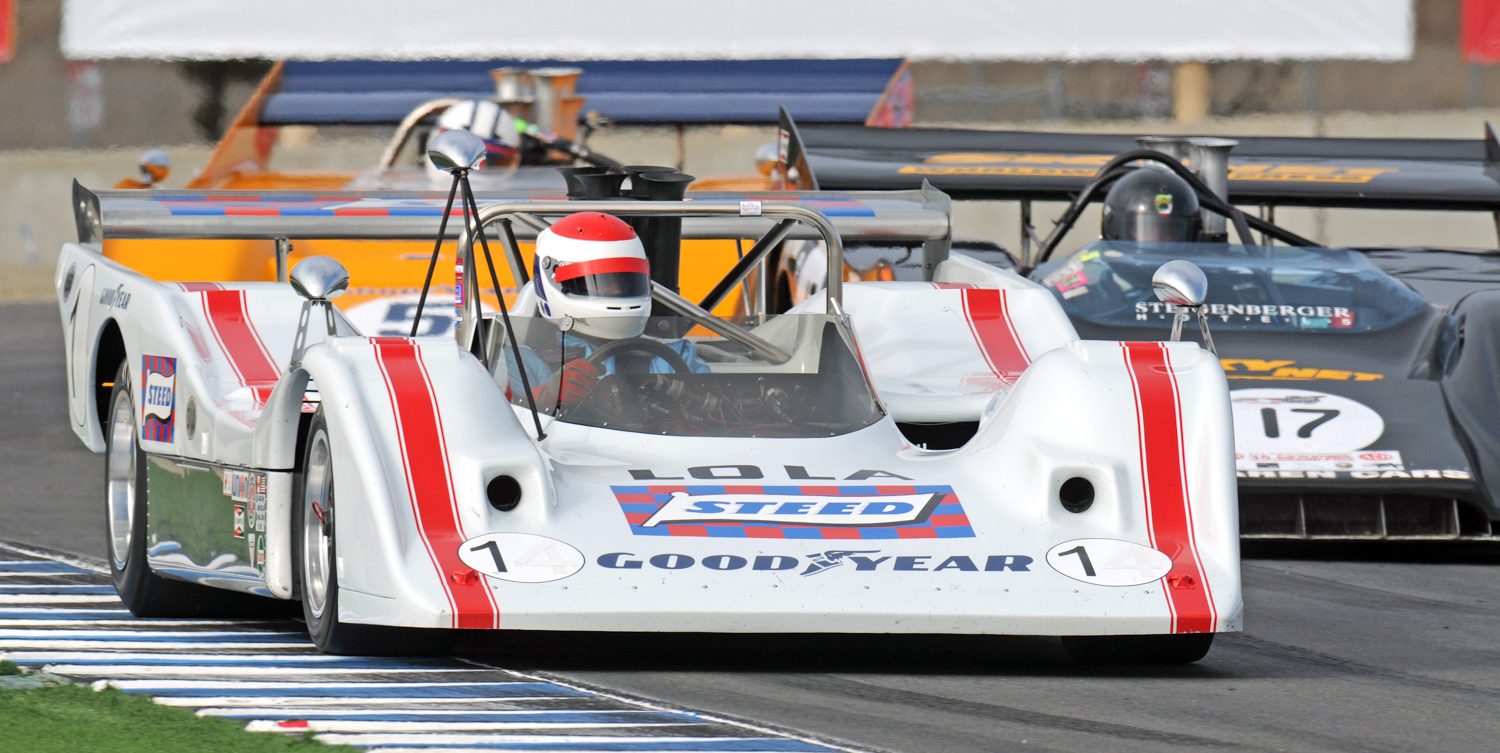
(1155, 228)
(622, 277)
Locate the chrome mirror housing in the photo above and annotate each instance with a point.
(455, 151)
(318, 278)
(1182, 284)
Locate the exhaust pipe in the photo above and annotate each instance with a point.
(556, 91)
(1210, 158)
(515, 90)
(1175, 147)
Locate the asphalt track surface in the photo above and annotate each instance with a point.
(1369, 648)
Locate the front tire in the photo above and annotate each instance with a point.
(316, 550)
(144, 593)
(1138, 649)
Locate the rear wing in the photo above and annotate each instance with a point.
(635, 92)
(1432, 174)
(920, 215)
(876, 91)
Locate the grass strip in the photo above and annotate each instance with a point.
(74, 718)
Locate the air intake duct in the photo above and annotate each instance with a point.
(662, 236)
(577, 187)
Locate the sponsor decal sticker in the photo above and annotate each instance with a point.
(1416, 474)
(1085, 166)
(1271, 420)
(248, 490)
(114, 298)
(848, 560)
(521, 557)
(1164, 204)
(794, 512)
(158, 397)
(1302, 434)
(1290, 371)
(1338, 317)
(1319, 461)
(1070, 280)
(1109, 562)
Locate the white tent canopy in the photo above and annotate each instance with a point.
(1069, 30)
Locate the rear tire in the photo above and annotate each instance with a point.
(315, 548)
(144, 593)
(1138, 649)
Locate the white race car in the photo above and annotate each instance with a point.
(914, 457)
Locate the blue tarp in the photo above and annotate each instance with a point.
(640, 92)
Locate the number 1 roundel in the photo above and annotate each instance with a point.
(520, 557)
(1272, 419)
(1109, 562)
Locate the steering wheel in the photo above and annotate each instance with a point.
(643, 345)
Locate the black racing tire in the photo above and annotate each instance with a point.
(1158, 650)
(144, 593)
(317, 573)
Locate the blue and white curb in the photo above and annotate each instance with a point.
(62, 615)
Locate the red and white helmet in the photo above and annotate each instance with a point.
(592, 268)
(489, 121)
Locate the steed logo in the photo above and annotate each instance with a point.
(894, 509)
(794, 512)
(158, 397)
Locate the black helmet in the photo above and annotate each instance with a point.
(1153, 206)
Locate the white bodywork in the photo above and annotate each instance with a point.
(1147, 424)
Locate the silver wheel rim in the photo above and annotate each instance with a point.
(120, 477)
(317, 533)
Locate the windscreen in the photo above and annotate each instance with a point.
(794, 375)
(1255, 288)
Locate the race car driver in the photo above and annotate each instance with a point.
(592, 280)
(489, 121)
(1152, 206)
(155, 165)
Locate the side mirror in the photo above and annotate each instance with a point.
(454, 151)
(318, 278)
(1182, 284)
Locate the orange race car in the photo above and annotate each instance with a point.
(530, 119)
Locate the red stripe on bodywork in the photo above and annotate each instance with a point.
(429, 481)
(989, 320)
(601, 267)
(1169, 515)
(229, 321)
(198, 287)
